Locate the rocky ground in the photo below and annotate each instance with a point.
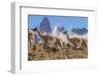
(65, 53)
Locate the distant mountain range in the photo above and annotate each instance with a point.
(46, 27)
(80, 31)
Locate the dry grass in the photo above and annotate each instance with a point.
(53, 54)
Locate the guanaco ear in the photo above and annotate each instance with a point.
(65, 32)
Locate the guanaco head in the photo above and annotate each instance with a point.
(65, 32)
(35, 29)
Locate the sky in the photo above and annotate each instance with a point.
(65, 21)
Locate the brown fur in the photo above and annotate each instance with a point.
(48, 38)
(31, 42)
(30, 38)
(76, 42)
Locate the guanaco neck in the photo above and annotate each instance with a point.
(67, 36)
(39, 33)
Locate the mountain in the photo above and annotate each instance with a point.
(80, 31)
(57, 30)
(45, 25)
